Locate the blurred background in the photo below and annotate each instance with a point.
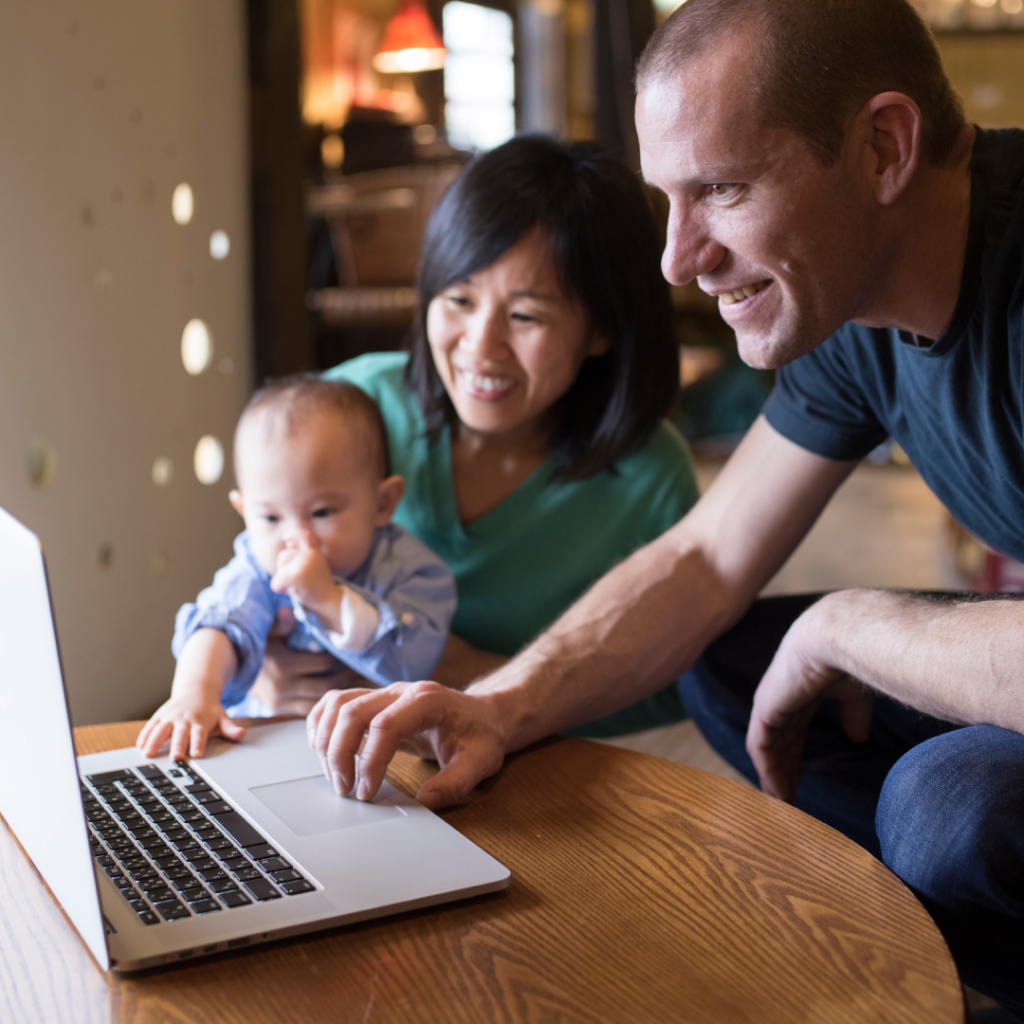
(196, 196)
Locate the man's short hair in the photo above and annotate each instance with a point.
(293, 399)
(819, 62)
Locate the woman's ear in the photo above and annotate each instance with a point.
(599, 344)
(389, 494)
(235, 497)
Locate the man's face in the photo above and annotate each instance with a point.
(786, 244)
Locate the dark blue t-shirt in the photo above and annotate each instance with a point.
(956, 407)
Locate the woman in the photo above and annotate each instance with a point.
(527, 419)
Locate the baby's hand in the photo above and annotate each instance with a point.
(188, 721)
(303, 573)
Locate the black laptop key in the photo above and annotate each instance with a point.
(274, 864)
(261, 852)
(148, 917)
(163, 818)
(104, 861)
(139, 905)
(107, 778)
(188, 846)
(262, 890)
(290, 875)
(154, 884)
(170, 861)
(205, 906)
(173, 911)
(174, 832)
(236, 899)
(150, 771)
(191, 816)
(120, 881)
(120, 842)
(160, 895)
(223, 885)
(145, 799)
(221, 846)
(174, 874)
(246, 874)
(198, 787)
(143, 830)
(197, 854)
(193, 895)
(185, 882)
(295, 888)
(207, 863)
(218, 808)
(235, 863)
(208, 832)
(240, 830)
(178, 798)
(207, 797)
(155, 845)
(213, 874)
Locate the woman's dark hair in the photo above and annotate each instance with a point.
(606, 250)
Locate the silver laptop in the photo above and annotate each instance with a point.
(156, 861)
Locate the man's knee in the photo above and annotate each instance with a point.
(950, 820)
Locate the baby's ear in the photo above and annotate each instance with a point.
(235, 497)
(389, 494)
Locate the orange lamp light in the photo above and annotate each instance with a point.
(411, 42)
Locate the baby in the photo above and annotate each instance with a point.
(314, 489)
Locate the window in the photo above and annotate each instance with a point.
(479, 77)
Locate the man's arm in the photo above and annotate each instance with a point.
(959, 659)
(638, 628)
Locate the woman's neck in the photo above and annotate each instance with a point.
(487, 469)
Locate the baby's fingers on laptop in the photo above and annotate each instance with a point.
(153, 736)
(230, 729)
(180, 740)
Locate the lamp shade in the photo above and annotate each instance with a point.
(411, 42)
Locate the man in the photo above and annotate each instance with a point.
(824, 185)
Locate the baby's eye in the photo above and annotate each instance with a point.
(270, 518)
(323, 513)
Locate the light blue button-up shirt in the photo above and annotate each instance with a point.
(411, 588)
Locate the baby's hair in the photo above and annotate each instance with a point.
(294, 399)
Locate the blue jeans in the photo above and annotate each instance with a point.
(942, 806)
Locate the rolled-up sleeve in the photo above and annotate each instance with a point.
(241, 605)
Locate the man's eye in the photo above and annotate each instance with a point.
(720, 189)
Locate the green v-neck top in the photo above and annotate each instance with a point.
(521, 565)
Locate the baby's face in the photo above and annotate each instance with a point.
(312, 486)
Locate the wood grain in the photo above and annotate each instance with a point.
(641, 891)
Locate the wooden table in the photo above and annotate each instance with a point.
(642, 890)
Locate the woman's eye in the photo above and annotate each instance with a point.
(524, 318)
(459, 300)
(322, 513)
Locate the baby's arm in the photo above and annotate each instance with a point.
(194, 713)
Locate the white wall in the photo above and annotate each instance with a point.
(105, 106)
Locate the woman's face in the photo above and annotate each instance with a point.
(508, 342)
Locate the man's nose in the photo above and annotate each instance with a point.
(690, 247)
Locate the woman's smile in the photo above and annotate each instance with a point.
(484, 385)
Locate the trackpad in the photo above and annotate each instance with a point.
(310, 806)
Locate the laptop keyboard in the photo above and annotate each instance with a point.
(176, 848)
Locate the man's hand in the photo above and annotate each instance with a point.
(188, 721)
(462, 732)
(800, 677)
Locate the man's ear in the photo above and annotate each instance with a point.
(893, 125)
(235, 497)
(389, 494)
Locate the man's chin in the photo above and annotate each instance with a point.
(769, 352)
